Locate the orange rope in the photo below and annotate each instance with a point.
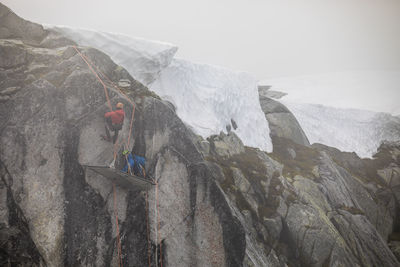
(115, 152)
(158, 224)
(89, 63)
(147, 227)
(101, 81)
(116, 87)
(118, 237)
(131, 125)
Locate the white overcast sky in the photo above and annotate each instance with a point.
(269, 38)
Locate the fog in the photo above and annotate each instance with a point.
(268, 38)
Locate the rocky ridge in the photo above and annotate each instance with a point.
(305, 207)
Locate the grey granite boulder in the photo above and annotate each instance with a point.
(282, 122)
(226, 145)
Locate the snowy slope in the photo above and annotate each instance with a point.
(142, 58)
(208, 97)
(332, 108)
(348, 130)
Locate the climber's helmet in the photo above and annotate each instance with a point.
(120, 105)
(125, 152)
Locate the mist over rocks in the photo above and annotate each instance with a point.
(143, 59)
(221, 203)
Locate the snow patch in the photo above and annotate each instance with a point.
(142, 58)
(208, 97)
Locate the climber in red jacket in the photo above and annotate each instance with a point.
(114, 122)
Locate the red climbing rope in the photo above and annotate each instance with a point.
(118, 237)
(122, 92)
(84, 58)
(158, 224)
(148, 228)
(90, 65)
(101, 81)
(87, 61)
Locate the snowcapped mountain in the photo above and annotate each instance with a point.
(209, 97)
(206, 97)
(333, 108)
(143, 59)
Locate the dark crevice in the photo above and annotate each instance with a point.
(86, 217)
(133, 231)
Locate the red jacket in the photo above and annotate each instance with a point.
(117, 117)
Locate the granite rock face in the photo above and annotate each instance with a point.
(51, 121)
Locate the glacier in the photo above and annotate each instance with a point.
(352, 111)
(206, 97)
(349, 130)
(143, 59)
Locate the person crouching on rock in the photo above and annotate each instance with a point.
(134, 164)
(114, 121)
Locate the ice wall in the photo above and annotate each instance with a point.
(208, 97)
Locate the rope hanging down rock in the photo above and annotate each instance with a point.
(92, 67)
